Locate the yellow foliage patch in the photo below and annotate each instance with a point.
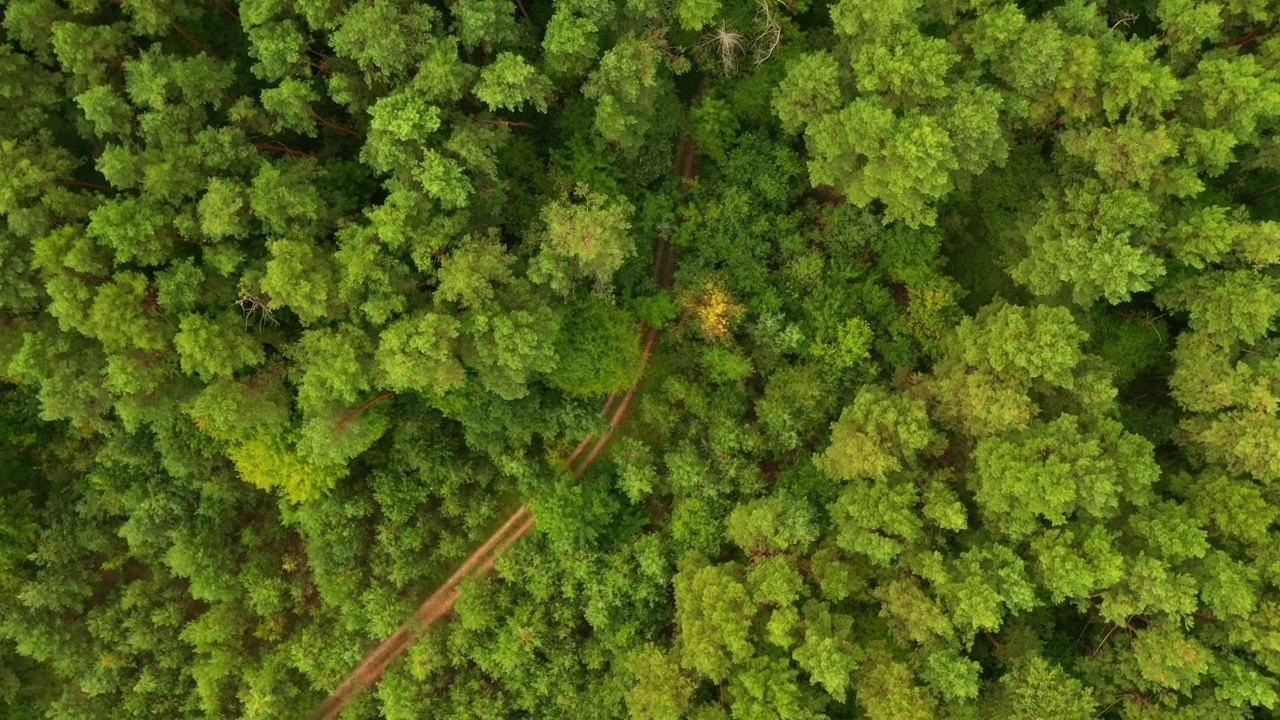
(713, 310)
(267, 461)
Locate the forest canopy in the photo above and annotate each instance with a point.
(936, 344)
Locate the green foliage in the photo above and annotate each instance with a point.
(510, 82)
(266, 461)
(626, 86)
(1091, 239)
(485, 21)
(885, 692)
(1038, 688)
(877, 519)
(1054, 470)
(417, 353)
(696, 14)
(661, 691)
(655, 310)
(714, 615)
(878, 434)
(993, 361)
(215, 348)
(851, 345)
(586, 239)
(771, 525)
(810, 90)
(941, 342)
(597, 350)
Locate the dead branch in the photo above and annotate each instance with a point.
(251, 304)
(771, 36)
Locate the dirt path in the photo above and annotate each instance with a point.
(664, 268)
(440, 603)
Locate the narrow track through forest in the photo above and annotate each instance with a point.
(441, 602)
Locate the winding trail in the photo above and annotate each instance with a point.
(440, 602)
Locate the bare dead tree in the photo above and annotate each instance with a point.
(251, 305)
(725, 43)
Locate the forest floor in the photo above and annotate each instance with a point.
(441, 602)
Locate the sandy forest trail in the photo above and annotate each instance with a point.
(441, 601)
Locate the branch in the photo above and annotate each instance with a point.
(83, 184)
(86, 276)
(1254, 34)
(1126, 20)
(351, 415)
(277, 147)
(993, 639)
(507, 123)
(1107, 637)
(325, 121)
(196, 42)
(182, 238)
(1262, 193)
(230, 13)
